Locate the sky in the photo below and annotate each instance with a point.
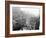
(27, 10)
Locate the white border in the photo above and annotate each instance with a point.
(28, 31)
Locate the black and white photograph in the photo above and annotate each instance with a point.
(23, 18)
